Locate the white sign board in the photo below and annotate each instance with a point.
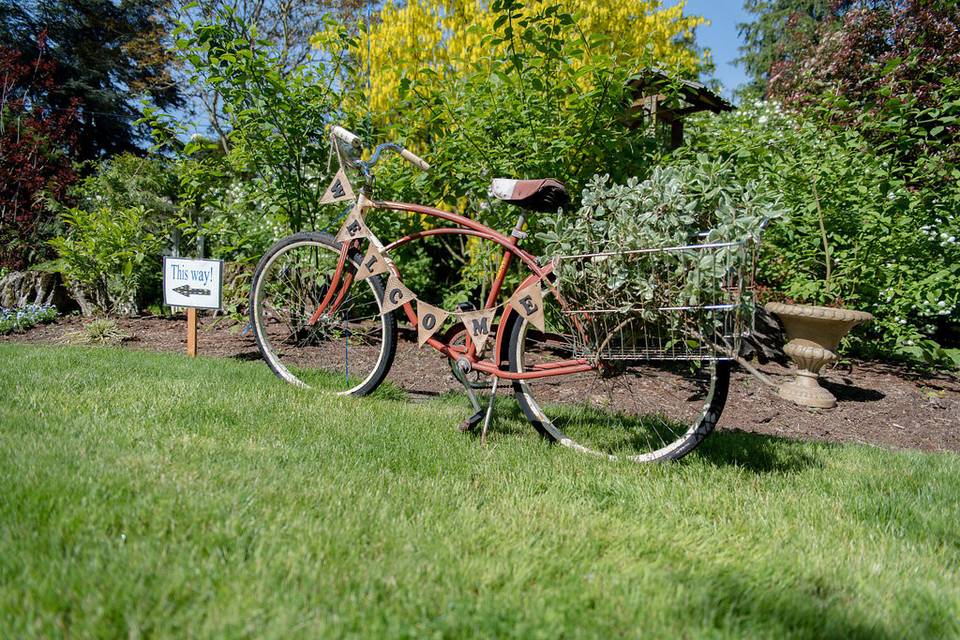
(192, 283)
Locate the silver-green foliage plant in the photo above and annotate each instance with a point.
(675, 212)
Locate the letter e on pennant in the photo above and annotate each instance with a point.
(528, 302)
(353, 227)
(429, 320)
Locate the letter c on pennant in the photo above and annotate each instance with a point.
(397, 294)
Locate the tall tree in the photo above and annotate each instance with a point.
(283, 27)
(446, 36)
(767, 38)
(892, 70)
(781, 31)
(108, 55)
(36, 145)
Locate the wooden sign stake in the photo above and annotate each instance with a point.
(192, 283)
(191, 332)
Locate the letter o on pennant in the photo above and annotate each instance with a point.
(429, 321)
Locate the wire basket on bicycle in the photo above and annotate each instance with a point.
(689, 302)
(644, 282)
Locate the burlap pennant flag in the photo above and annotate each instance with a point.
(396, 294)
(479, 324)
(353, 227)
(528, 302)
(429, 321)
(338, 190)
(372, 264)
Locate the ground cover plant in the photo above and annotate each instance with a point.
(154, 495)
(23, 318)
(97, 331)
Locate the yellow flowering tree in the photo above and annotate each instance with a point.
(450, 36)
(505, 88)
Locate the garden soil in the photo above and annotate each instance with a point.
(879, 404)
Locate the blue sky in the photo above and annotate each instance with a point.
(721, 37)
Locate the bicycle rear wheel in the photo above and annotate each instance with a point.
(348, 351)
(644, 411)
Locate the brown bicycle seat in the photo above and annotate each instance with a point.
(544, 194)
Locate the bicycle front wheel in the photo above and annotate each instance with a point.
(348, 350)
(639, 410)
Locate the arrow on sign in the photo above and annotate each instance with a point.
(186, 291)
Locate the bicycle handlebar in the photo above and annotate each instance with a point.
(414, 159)
(350, 138)
(354, 140)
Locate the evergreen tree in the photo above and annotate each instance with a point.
(767, 39)
(108, 55)
(781, 31)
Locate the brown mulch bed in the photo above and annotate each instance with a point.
(880, 404)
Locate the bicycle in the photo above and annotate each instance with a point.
(324, 311)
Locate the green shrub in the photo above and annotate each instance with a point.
(231, 219)
(112, 239)
(858, 232)
(126, 180)
(112, 254)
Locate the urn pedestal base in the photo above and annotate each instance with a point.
(814, 334)
(805, 388)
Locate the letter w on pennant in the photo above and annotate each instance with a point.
(338, 190)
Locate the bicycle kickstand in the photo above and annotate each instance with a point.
(486, 420)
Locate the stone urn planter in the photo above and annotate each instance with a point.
(813, 334)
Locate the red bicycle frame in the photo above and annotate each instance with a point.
(343, 279)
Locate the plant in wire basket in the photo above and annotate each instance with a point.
(673, 252)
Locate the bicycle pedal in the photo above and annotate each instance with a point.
(471, 423)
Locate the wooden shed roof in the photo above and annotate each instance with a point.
(697, 96)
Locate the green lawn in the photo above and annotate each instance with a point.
(150, 495)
